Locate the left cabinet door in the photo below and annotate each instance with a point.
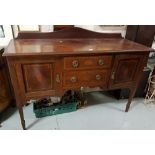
(38, 77)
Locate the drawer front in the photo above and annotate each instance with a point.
(74, 79)
(87, 62)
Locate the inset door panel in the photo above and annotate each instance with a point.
(38, 77)
(125, 69)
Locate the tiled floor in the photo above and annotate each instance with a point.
(103, 112)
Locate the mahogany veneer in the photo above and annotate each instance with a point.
(48, 67)
(5, 91)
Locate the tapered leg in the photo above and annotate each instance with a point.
(132, 94)
(22, 117)
(0, 119)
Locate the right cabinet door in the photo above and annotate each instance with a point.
(125, 70)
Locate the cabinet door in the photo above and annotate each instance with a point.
(38, 77)
(125, 70)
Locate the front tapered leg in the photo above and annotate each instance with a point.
(22, 117)
(0, 120)
(132, 94)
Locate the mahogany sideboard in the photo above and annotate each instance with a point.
(41, 67)
(5, 90)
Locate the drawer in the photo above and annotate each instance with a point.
(92, 78)
(87, 62)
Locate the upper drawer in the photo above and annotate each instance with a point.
(87, 62)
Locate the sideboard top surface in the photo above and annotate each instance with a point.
(21, 47)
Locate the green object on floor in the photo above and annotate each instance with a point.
(54, 110)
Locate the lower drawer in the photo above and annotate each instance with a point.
(92, 78)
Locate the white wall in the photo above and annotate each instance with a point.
(46, 28)
(8, 35)
(102, 29)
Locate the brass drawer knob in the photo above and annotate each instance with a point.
(73, 79)
(75, 63)
(98, 77)
(101, 62)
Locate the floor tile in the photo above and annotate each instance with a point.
(97, 115)
(102, 112)
(33, 123)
